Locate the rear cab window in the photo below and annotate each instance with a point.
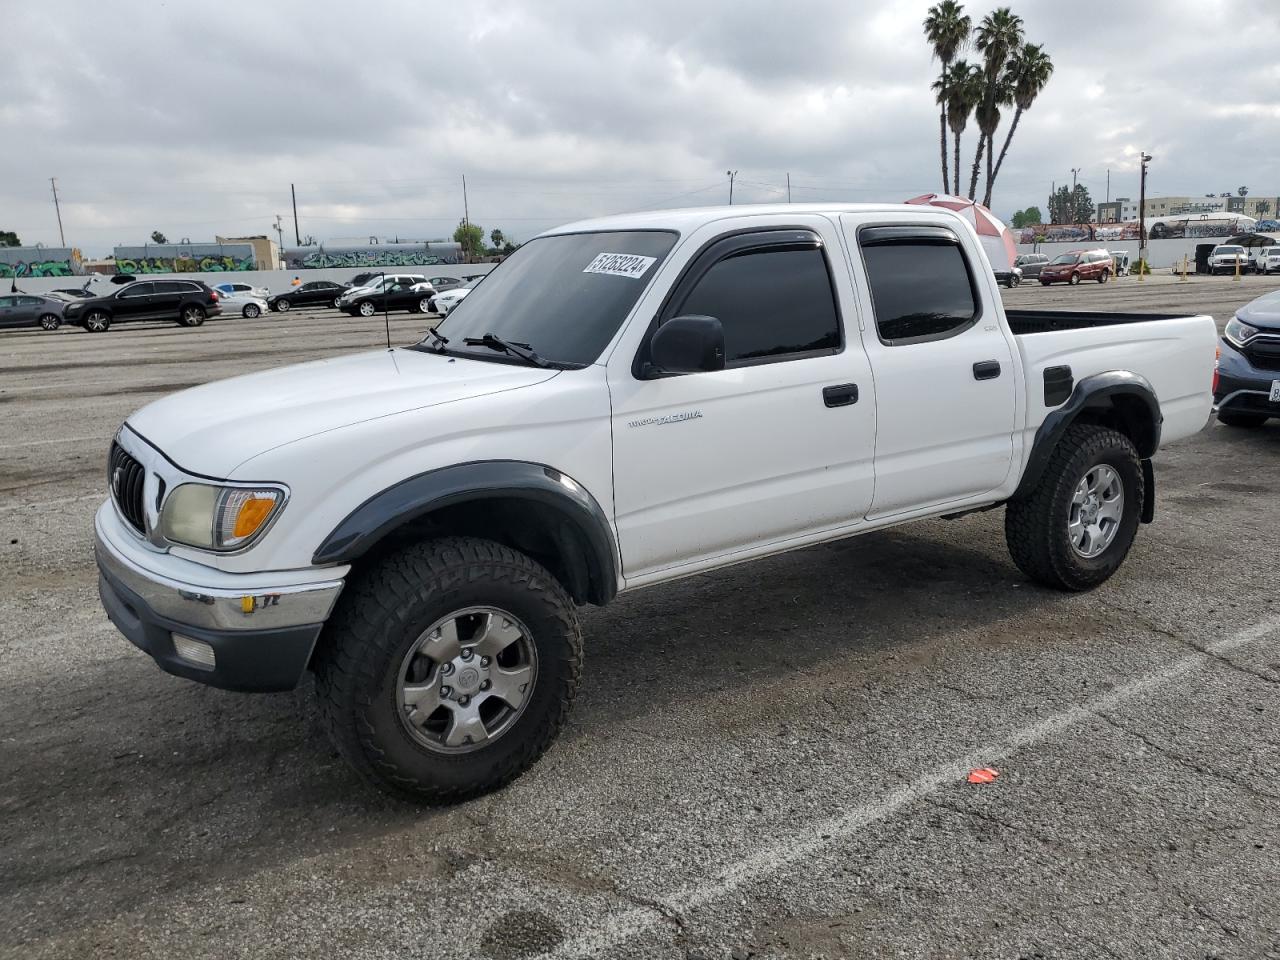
(921, 283)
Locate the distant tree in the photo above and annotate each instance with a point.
(496, 238)
(1029, 217)
(471, 236)
(1264, 207)
(1242, 191)
(997, 37)
(9, 239)
(947, 30)
(1066, 207)
(1227, 194)
(1029, 69)
(509, 248)
(158, 237)
(963, 83)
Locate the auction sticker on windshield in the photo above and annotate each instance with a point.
(621, 265)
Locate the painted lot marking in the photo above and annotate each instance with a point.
(621, 926)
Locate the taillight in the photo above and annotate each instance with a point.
(214, 295)
(1217, 356)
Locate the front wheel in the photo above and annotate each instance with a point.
(1075, 527)
(1248, 420)
(424, 305)
(50, 321)
(1104, 277)
(448, 669)
(1044, 283)
(97, 322)
(367, 309)
(1075, 279)
(252, 311)
(282, 306)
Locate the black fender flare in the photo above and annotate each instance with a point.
(1094, 392)
(584, 533)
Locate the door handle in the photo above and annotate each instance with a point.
(841, 395)
(986, 369)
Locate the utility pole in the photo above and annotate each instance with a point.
(1108, 184)
(1142, 213)
(788, 188)
(466, 219)
(53, 182)
(280, 232)
(1075, 207)
(297, 234)
(731, 174)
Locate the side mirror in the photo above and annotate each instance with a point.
(692, 344)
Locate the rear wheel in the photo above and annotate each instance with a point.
(97, 322)
(1074, 529)
(448, 669)
(367, 309)
(1234, 419)
(50, 321)
(251, 311)
(191, 316)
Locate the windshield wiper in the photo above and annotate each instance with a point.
(521, 350)
(440, 337)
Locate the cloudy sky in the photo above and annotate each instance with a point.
(173, 117)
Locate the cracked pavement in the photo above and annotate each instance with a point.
(765, 761)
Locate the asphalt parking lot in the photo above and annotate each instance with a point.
(765, 761)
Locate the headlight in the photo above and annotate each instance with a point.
(1239, 332)
(72, 307)
(218, 518)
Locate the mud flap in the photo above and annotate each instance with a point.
(1149, 492)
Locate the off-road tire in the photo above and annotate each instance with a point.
(1249, 420)
(1035, 525)
(381, 614)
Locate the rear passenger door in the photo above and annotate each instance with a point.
(944, 373)
(168, 298)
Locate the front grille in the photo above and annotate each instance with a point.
(1264, 354)
(125, 476)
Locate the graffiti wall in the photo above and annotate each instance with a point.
(185, 258)
(1076, 232)
(373, 255)
(39, 262)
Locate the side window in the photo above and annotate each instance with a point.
(921, 285)
(138, 290)
(29, 301)
(774, 303)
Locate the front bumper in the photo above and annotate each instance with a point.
(1242, 386)
(261, 636)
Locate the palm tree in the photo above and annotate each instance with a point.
(1029, 70)
(964, 92)
(947, 30)
(998, 35)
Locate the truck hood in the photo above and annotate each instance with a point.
(1263, 312)
(213, 428)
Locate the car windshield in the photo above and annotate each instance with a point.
(565, 296)
(1230, 250)
(1067, 258)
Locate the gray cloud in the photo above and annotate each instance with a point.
(195, 124)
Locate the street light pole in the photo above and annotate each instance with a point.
(1142, 214)
(731, 174)
(1075, 207)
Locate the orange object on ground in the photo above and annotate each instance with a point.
(983, 775)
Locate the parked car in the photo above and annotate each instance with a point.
(1246, 378)
(313, 293)
(232, 287)
(1269, 259)
(1076, 266)
(397, 295)
(1120, 262)
(618, 406)
(243, 304)
(1228, 258)
(78, 293)
(1009, 278)
(360, 279)
(185, 302)
(375, 285)
(445, 283)
(1031, 264)
(443, 303)
(30, 310)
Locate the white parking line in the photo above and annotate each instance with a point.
(39, 443)
(618, 927)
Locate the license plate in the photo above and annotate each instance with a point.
(1275, 391)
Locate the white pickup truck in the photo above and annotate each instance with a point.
(621, 403)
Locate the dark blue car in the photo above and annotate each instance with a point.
(1246, 381)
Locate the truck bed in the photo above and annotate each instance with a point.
(1047, 321)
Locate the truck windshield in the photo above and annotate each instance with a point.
(563, 297)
